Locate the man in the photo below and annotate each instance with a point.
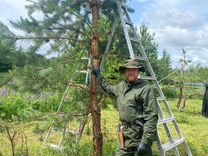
(205, 102)
(137, 110)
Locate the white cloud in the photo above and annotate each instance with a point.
(179, 24)
(143, 1)
(173, 17)
(13, 9)
(171, 36)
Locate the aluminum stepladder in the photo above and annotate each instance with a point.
(172, 143)
(65, 129)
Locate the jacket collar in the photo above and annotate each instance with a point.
(132, 84)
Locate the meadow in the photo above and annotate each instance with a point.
(29, 126)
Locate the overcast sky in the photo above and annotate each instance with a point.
(177, 24)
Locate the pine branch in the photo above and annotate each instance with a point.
(50, 38)
(40, 38)
(82, 86)
(71, 28)
(70, 12)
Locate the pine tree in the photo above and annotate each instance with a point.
(74, 29)
(67, 24)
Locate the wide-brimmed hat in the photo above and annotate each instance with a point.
(132, 63)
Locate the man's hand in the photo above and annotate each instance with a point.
(96, 68)
(142, 148)
(96, 63)
(97, 72)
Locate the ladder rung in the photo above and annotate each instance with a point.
(128, 22)
(168, 146)
(72, 132)
(134, 39)
(56, 146)
(66, 98)
(123, 5)
(160, 98)
(161, 121)
(82, 71)
(147, 78)
(85, 58)
(141, 58)
(66, 131)
(60, 113)
(55, 130)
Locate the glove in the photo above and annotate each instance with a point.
(97, 73)
(142, 148)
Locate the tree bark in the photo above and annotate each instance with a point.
(181, 96)
(95, 109)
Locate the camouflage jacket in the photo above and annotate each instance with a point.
(135, 102)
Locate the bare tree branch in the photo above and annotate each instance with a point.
(82, 86)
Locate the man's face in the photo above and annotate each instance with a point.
(131, 74)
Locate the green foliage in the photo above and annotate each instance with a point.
(7, 48)
(5, 65)
(150, 47)
(66, 18)
(192, 123)
(194, 74)
(164, 66)
(16, 108)
(170, 91)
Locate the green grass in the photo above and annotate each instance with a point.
(193, 126)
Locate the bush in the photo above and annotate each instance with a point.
(170, 91)
(16, 108)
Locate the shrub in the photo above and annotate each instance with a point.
(170, 91)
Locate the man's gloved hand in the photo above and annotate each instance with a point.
(97, 72)
(142, 148)
(96, 68)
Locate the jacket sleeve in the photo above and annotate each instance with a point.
(111, 89)
(150, 113)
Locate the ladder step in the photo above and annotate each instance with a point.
(134, 39)
(66, 132)
(128, 22)
(60, 113)
(161, 121)
(66, 98)
(72, 132)
(122, 5)
(85, 58)
(141, 58)
(57, 147)
(82, 71)
(161, 98)
(168, 146)
(147, 78)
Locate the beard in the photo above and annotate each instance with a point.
(131, 78)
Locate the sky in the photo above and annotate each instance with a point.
(177, 24)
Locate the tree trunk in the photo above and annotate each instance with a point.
(181, 96)
(95, 110)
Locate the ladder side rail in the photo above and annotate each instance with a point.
(125, 31)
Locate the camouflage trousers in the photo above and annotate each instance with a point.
(132, 152)
(132, 136)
